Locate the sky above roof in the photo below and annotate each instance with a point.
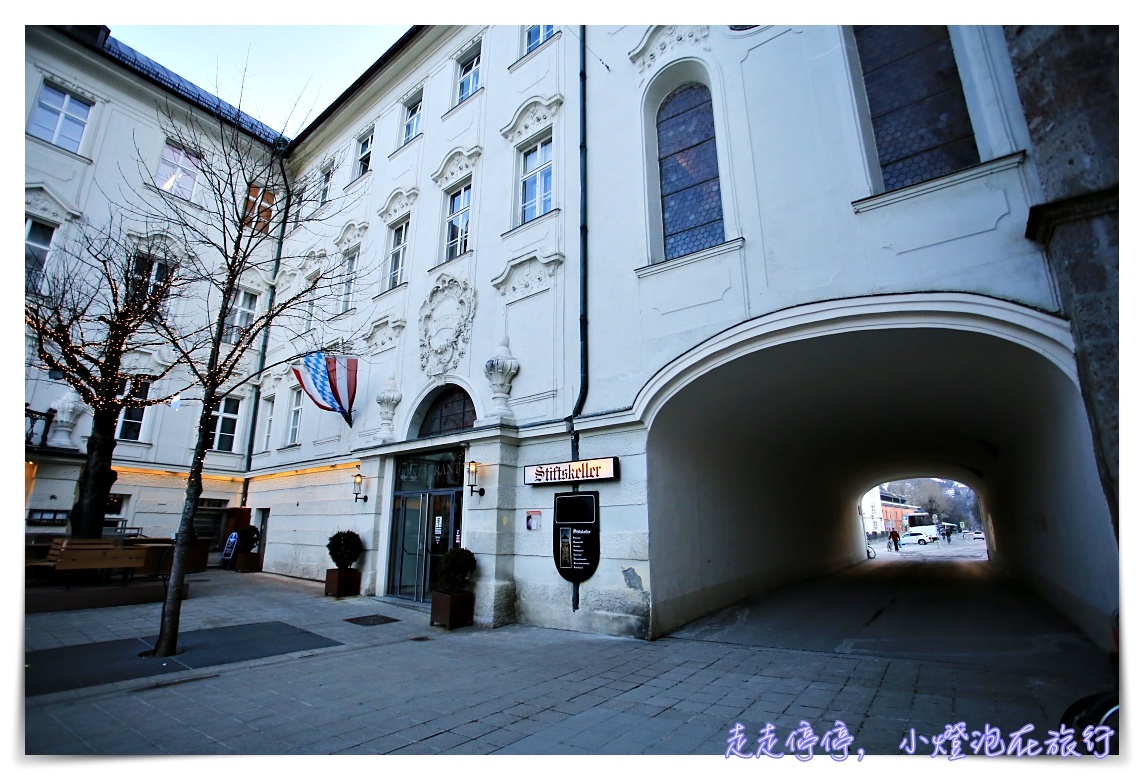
(284, 76)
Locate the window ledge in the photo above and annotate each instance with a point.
(48, 144)
(405, 145)
(461, 256)
(733, 245)
(293, 446)
(530, 54)
(172, 196)
(133, 442)
(357, 181)
(949, 180)
(523, 225)
(348, 313)
(394, 288)
(465, 102)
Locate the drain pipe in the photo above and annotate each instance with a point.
(279, 147)
(570, 420)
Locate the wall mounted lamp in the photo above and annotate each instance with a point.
(471, 470)
(357, 487)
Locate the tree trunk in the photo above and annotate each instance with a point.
(96, 480)
(167, 644)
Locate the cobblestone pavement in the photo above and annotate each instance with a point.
(406, 688)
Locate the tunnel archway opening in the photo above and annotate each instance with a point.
(757, 461)
(922, 511)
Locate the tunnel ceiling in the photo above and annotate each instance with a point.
(863, 407)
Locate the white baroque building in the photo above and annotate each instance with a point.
(682, 250)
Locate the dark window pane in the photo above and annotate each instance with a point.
(688, 168)
(452, 410)
(687, 129)
(692, 207)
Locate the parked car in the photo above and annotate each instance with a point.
(917, 537)
(978, 535)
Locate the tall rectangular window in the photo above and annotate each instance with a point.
(349, 274)
(224, 423)
(917, 105)
(59, 117)
(268, 418)
(292, 431)
(536, 35)
(259, 208)
(299, 199)
(536, 181)
(177, 172)
(412, 119)
(131, 419)
(398, 239)
(365, 148)
(241, 316)
(327, 180)
(37, 243)
(469, 78)
(148, 278)
(457, 223)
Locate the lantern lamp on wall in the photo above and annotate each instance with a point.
(357, 487)
(471, 471)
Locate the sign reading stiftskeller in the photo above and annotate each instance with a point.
(574, 471)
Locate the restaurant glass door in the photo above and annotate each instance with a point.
(427, 507)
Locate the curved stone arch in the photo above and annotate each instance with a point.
(457, 164)
(1044, 334)
(535, 115)
(399, 204)
(669, 77)
(414, 413)
(351, 234)
(660, 42)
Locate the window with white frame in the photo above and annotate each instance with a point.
(178, 170)
(224, 424)
(292, 431)
(349, 274)
(469, 75)
(60, 117)
(299, 199)
(117, 504)
(536, 35)
(148, 278)
(399, 236)
(259, 208)
(241, 316)
(457, 222)
(536, 180)
(131, 419)
(412, 119)
(268, 420)
(327, 181)
(365, 148)
(37, 244)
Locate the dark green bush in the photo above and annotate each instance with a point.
(456, 570)
(345, 548)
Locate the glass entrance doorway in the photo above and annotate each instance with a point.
(427, 506)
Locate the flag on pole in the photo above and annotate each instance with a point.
(331, 382)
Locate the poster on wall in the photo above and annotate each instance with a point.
(576, 535)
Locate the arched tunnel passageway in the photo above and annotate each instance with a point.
(756, 466)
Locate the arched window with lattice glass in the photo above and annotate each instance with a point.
(688, 172)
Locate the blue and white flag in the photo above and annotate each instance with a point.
(331, 382)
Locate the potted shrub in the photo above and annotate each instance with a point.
(345, 548)
(452, 600)
(245, 559)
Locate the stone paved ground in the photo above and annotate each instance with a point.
(407, 688)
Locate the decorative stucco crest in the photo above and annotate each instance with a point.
(457, 165)
(351, 235)
(533, 116)
(399, 203)
(662, 41)
(383, 334)
(526, 275)
(445, 324)
(41, 201)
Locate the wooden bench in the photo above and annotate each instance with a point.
(89, 554)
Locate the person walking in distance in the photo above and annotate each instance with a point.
(895, 538)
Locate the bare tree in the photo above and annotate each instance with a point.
(95, 305)
(227, 193)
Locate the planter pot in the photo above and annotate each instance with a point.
(452, 609)
(247, 562)
(343, 582)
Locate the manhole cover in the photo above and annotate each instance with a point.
(419, 639)
(371, 620)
